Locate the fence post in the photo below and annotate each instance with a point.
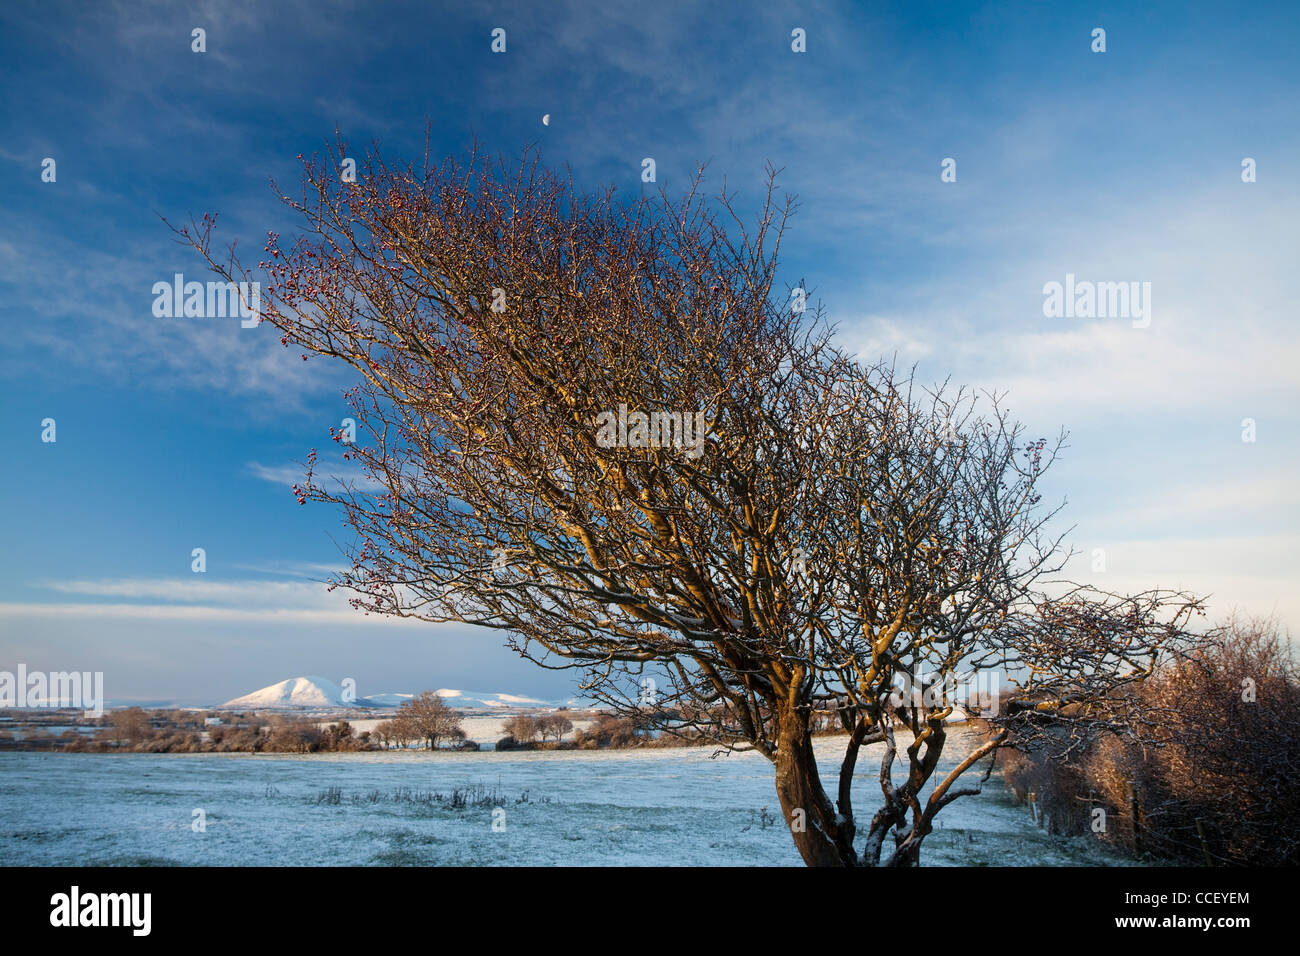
(1136, 810)
(1205, 844)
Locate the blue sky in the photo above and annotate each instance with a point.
(175, 433)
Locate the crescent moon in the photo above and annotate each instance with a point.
(546, 120)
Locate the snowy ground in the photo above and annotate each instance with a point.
(484, 729)
(648, 807)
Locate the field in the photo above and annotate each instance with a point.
(613, 807)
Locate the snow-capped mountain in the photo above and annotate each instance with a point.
(321, 692)
(478, 700)
(294, 692)
(470, 700)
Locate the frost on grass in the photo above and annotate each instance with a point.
(600, 808)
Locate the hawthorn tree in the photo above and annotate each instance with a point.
(428, 718)
(600, 427)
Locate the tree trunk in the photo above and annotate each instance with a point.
(820, 836)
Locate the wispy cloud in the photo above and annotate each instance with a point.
(345, 617)
(183, 599)
(1251, 573)
(336, 475)
(180, 589)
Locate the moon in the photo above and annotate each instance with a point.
(546, 120)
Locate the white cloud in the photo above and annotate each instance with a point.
(192, 612)
(1222, 322)
(267, 602)
(180, 589)
(337, 475)
(1265, 498)
(1251, 573)
(186, 599)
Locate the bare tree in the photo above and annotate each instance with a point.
(427, 718)
(522, 728)
(600, 427)
(554, 725)
(400, 730)
(131, 724)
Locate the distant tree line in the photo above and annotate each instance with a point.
(424, 722)
(135, 730)
(524, 729)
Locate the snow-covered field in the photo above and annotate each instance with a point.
(646, 807)
(484, 729)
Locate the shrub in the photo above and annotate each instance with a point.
(1214, 781)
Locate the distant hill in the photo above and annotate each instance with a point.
(321, 692)
(478, 700)
(294, 692)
